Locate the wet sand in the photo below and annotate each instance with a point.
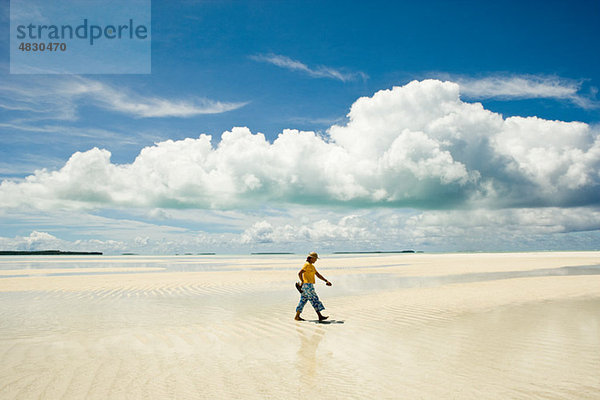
(419, 326)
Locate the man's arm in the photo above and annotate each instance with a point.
(322, 278)
(300, 275)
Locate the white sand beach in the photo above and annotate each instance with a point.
(414, 326)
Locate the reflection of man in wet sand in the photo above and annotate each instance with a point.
(307, 277)
(306, 361)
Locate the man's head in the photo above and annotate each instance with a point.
(312, 257)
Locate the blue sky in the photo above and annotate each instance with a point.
(443, 162)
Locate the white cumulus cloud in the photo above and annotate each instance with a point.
(37, 241)
(319, 231)
(417, 146)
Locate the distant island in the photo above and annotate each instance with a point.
(197, 254)
(269, 254)
(376, 252)
(50, 253)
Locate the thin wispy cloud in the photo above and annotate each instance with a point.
(59, 99)
(27, 164)
(317, 121)
(320, 71)
(527, 87)
(136, 105)
(67, 134)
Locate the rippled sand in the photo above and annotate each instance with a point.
(461, 326)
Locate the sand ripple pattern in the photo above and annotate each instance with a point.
(211, 336)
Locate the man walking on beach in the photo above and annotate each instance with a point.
(307, 277)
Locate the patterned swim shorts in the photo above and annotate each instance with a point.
(309, 294)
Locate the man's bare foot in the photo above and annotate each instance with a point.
(323, 317)
(298, 318)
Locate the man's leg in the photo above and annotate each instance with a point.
(316, 303)
(321, 316)
(300, 307)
